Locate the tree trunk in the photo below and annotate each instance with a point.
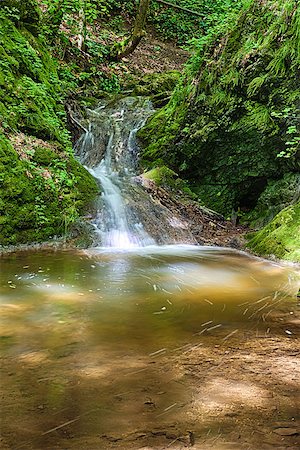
(124, 48)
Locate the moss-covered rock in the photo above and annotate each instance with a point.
(157, 83)
(161, 176)
(167, 178)
(31, 94)
(43, 189)
(39, 202)
(281, 237)
(157, 86)
(278, 195)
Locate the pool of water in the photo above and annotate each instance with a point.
(82, 330)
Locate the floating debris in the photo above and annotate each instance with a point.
(208, 301)
(214, 327)
(230, 334)
(162, 350)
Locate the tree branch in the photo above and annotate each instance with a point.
(180, 7)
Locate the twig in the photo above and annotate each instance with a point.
(60, 426)
(68, 422)
(75, 120)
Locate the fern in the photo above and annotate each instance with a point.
(256, 84)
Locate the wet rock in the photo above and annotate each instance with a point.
(235, 242)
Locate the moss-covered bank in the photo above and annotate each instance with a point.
(232, 126)
(236, 110)
(281, 237)
(43, 189)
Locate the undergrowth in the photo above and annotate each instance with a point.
(43, 189)
(232, 124)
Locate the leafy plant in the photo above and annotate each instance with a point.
(291, 120)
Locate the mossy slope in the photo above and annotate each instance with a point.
(43, 189)
(281, 237)
(236, 109)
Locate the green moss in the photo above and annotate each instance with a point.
(44, 156)
(36, 205)
(235, 110)
(161, 130)
(30, 90)
(278, 195)
(161, 175)
(281, 237)
(157, 83)
(43, 189)
(165, 177)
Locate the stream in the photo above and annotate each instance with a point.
(95, 342)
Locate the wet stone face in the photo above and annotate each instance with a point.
(91, 341)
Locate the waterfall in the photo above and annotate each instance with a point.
(126, 216)
(116, 129)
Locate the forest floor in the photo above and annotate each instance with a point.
(156, 56)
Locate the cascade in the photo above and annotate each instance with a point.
(126, 215)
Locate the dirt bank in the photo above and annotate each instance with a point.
(206, 226)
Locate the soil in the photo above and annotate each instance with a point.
(155, 56)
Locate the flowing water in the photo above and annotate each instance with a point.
(126, 216)
(91, 340)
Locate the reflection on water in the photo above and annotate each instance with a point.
(82, 331)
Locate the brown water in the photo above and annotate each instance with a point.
(90, 338)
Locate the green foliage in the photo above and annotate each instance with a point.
(290, 121)
(170, 23)
(43, 189)
(42, 194)
(236, 109)
(22, 12)
(178, 25)
(63, 20)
